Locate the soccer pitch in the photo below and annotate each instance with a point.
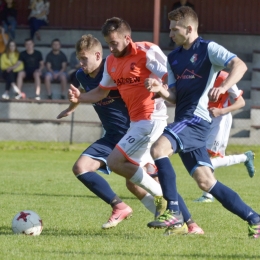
(38, 177)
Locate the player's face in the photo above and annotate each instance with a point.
(89, 60)
(118, 44)
(178, 33)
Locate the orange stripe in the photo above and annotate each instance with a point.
(213, 154)
(126, 156)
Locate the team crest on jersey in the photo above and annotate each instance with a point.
(194, 58)
(113, 69)
(132, 65)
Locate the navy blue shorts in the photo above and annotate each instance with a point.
(190, 133)
(188, 139)
(100, 150)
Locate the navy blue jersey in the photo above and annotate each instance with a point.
(111, 110)
(193, 72)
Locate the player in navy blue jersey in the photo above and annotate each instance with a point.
(115, 120)
(192, 70)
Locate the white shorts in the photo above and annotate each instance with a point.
(219, 134)
(136, 144)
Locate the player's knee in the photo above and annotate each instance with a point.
(205, 184)
(78, 169)
(156, 151)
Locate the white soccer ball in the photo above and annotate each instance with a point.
(27, 222)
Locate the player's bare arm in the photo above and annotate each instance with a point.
(92, 96)
(155, 86)
(237, 70)
(68, 110)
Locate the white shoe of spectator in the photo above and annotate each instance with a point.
(5, 96)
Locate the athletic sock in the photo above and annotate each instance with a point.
(206, 194)
(148, 202)
(116, 201)
(232, 202)
(183, 208)
(167, 178)
(142, 179)
(228, 160)
(99, 186)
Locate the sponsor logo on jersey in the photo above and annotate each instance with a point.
(187, 74)
(131, 80)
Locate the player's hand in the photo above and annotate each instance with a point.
(215, 112)
(73, 94)
(64, 113)
(152, 85)
(215, 93)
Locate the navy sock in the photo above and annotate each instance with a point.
(97, 185)
(232, 202)
(167, 178)
(183, 208)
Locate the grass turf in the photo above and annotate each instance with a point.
(38, 177)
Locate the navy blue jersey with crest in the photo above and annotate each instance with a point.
(193, 72)
(111, 110)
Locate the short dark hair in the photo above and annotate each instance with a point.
(115, 24)
(55, 40)
(184, 13)
(28, 39)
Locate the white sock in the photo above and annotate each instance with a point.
(148, 202)
(142, 179)
(228, 160)
(208, 195)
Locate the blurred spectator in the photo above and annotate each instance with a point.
(10, 67)
(10, 16)
(3, 39)
(175, 6)
(38, 16)
(74, 66)
(33, 66)
(56, 65)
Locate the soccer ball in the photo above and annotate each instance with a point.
(27, 222)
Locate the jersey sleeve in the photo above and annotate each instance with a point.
(107, 82)
(234, 92)
(171, 77)
(218, 55)
(156, 62)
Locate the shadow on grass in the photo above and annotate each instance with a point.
(57, 195)
(152, 254)
(6, 230)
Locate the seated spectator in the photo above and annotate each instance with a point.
(3, 39)
(74, 66)
(10, 67)
(56, 65)
(33, 66)
(10, 21)
(38, 16)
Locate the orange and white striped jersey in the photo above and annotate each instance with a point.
(223, 100)
(127, 74)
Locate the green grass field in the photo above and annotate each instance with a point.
(38, 177)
